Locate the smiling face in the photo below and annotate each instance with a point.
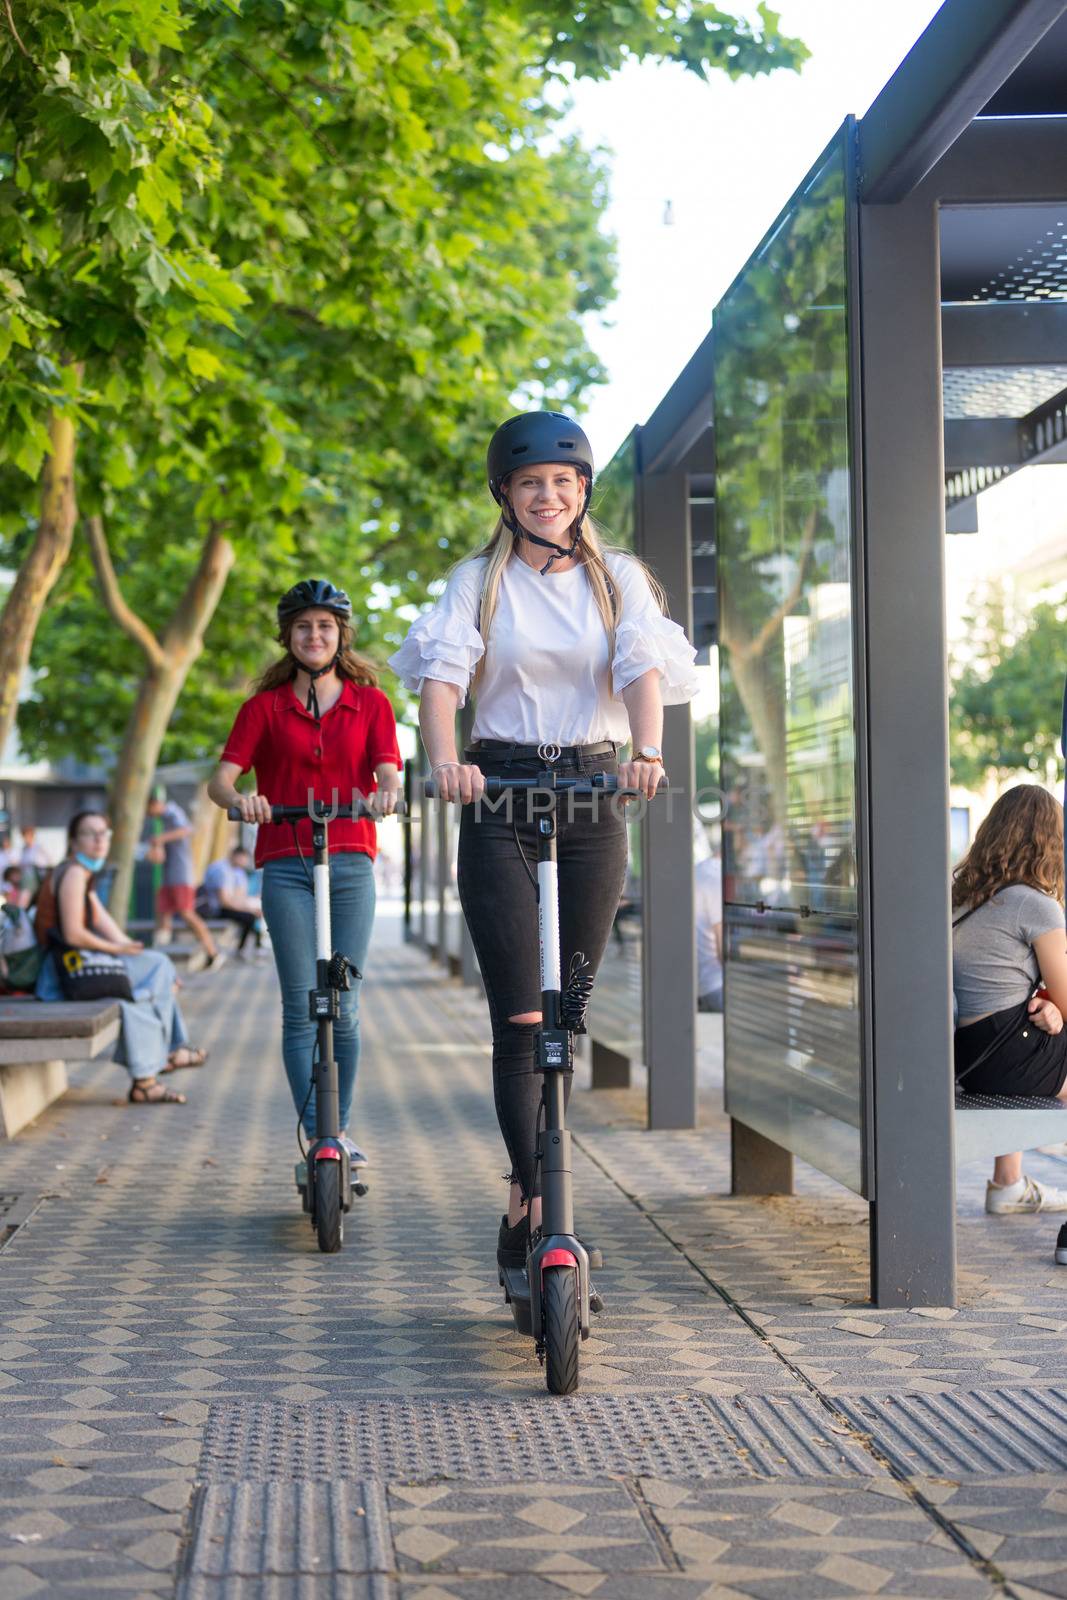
(314, 638)
(546, 499)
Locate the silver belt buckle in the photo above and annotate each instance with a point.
(549, 752)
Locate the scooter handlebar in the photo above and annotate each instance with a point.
(600, 783)
(303, 813)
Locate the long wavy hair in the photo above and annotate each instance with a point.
(1021, 841)
(350, 664)
(590, 555)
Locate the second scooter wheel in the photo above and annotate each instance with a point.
(329, 1213)
(561, 1331)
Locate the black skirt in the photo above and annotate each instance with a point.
(1029, 1061)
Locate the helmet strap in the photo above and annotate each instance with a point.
(512, 524)
(320, 672)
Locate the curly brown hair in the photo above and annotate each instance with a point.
(1021, 841)
(350, 664)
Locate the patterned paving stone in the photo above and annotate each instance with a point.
(162, 1287)
(817, 1537)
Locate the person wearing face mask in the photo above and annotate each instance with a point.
(153, 1040)
(567, 651)
(317, 724)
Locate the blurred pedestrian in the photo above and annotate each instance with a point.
(224, 894)
(167, 835)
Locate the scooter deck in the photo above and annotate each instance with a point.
(516, 1287)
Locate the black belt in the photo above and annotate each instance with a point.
(547, 752)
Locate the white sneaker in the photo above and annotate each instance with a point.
(1025, 1196)
(358, 1159)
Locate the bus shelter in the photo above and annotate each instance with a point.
(895, 344)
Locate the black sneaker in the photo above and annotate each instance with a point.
(512, 1243)
(1061, 1246)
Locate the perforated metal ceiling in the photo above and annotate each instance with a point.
(1000, 391)
(1039, 272)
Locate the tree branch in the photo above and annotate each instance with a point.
(15, 31)
(757, 645)
(305, 122)
(114, 601)
(185, 631)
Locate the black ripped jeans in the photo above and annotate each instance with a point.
(500, 904)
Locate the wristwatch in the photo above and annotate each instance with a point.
(649, 752)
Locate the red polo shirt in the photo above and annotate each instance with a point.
(293, 754)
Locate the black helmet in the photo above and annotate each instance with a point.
(532, 439)
(313, 592)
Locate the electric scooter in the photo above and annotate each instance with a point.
(551, 1297)
(326, 1178)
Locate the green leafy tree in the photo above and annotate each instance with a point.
(1007, 692)
(99, 153)
(386, 244)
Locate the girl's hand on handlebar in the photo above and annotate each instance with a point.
(457, 782)
(384, 799)
(644, 776)
(253, 807)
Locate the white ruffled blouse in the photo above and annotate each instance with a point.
(547, 675)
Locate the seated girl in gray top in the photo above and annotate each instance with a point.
(1009, 936)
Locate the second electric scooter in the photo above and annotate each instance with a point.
(326, 1179)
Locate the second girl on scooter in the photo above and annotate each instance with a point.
(317, 724)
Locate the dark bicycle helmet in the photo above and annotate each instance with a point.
(532, 439)
(313, 593)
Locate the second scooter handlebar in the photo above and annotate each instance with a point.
(304, 813)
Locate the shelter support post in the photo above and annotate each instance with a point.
(609, 1068)
(440, 946)
(757, 1164)
(468, 961)
(668, 943)
(423, 877)
(908, 1016)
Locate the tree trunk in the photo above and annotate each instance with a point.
(40, 569)
(164, 679)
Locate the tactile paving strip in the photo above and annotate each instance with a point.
(275, 1529)
(793, 1435)
(985, 1431)
(485, 1440)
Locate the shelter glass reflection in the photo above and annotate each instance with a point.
(788, 749)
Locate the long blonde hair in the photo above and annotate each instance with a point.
(351, 664)
(590, 554)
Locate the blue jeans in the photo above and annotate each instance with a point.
(289, 907)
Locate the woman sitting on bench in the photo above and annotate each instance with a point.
(1008, 938)
(152, 1041)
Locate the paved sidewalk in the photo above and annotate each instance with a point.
(194, 1401)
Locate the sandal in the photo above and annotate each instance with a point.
(149, 1092)
(193, 1058)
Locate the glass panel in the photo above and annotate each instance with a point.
(616, 1009)
(707, 876)
(613, 496)
(792, 1029)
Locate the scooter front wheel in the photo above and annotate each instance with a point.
(329, 1213)
(561, 1328)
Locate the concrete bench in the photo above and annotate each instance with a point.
(995, 1124)
(37, 1039)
